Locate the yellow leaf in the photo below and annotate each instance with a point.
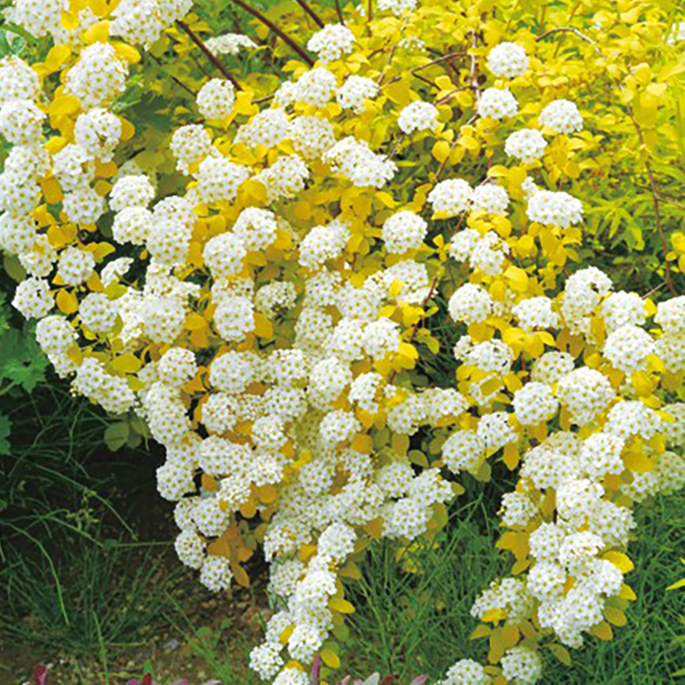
(97, 33)
(511, 455)
(517, 278)
(69, 20)
(385, 199)
(341, 605)
(330, 658)
(362, 444)
(64, 104)
(307, 552)
(620, 560)
(351, 570)
(615, 616)
(67, 302)
(481, 631)
(57, 56)
(285, 635)
(441, 150)
(374, 528)
(636, 461)
(510, 636)
(561, 653)
(642, 383)
(627, 593)
(240, 575)
(263, 327)
(195, 322)
(127, 363)
(126, 52)
(602, 631)
(208, 483)
(493, 615)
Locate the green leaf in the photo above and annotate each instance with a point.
(5, 428)
(117, 435)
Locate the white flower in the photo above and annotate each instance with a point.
(418, 116)
(508, 59)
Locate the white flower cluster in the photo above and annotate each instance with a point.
(354, 159)
(142, 21)
(229, 43)
(508, 59)
(331, 42)
(528, 144)
(418, 116)
(355, 91)
(268, 356)
(554, 209)
(562, 116)
(497, 103)
(215, 99)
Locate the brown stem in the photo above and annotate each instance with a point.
(369, 11)
(208, 53)
(657, 213)
(567, 29)
(474, 68)
(283, 36)
(390, 56)
(415, 329)
(425, 66)
(427, 80)
(338, 9)
(317, 19)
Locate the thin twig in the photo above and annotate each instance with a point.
(397, 146)
(208, 53)
(369, 11)
(474, 68)
(338, 9)
(454, 144)
(390, 56)
(317, 19)
(427, 80)
(283, 36)
(568, 29)
(415, 328)
(657, 213)
(425, 66)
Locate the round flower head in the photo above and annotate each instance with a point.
(562, 116)
(21, 122)
(490, 198)
(554, 209)
(355, 91)
(466, 672)
(522, 665)
(527, 145)
(215, 99)
(449, 198)
(331, 43)
(315, 87)
(418, 116)
(508, 59)
(229, 43)
(497, 103)
(470, 304)
(404, 231)
(536, 312)
(397, 7)
(628, 347)
(670, 315)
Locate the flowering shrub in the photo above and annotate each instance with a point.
(271, 315)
